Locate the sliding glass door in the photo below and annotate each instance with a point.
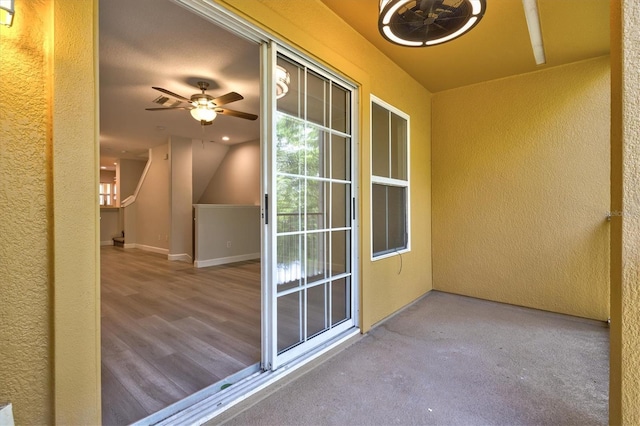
(312, 197)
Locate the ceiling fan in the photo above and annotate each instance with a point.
(204, 107)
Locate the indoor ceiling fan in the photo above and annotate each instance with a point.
(203, 107)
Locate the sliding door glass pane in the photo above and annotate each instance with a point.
(290, 145)
(292, 102)
(340, 242)
(289, 261)
(316, 256)
(340, 205)
(340, 157)
(340, 300)
(289, 320)
(317, 314)
(317, 99)
(290, 192)
(340, 107)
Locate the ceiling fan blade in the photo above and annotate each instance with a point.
(167, 109)
(175, 95)
(228, 98)
(239, 114)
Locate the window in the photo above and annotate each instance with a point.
(389, 179)
(105, 194)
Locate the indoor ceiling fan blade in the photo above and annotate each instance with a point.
(228, 98)
(175, 95)
(167, 109)
(238, 114)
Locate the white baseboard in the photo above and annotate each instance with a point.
(106, 243)
(184, 257)
(129, 245)
(224, 260)
(149, 248)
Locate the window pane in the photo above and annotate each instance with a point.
(380, 140)
(396, 217)
(289, 323)
(340, 158)
(340, 105)
(398, 147)
(291, 101)
(317, 320)
(317, 98)
(379, 213)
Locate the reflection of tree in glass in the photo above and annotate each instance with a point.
(298, 153)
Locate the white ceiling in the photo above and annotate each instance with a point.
(145, 43)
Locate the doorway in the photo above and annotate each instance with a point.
(305, 274)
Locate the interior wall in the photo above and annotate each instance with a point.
(237, 179)
(207, 157)
(521, 190)
(130, 173)
(389, 284)
(180, 193)
(152, 204)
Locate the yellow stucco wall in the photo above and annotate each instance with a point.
(76, 250)
(521, 189)
(625, 242)
(49, 217)
(317, 31)
(25, 214)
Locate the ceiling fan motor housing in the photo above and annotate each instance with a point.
(421, 23)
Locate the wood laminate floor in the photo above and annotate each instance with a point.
(169, 329)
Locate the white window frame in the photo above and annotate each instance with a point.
(387, 181)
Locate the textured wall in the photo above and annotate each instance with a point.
(25, 214)
(389, 284)
(628, 323)
(76, 251)
(181, 198)
(521, 189)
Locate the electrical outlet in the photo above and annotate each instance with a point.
(228, 244)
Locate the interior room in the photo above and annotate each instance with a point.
(514, 185)
(179, 209)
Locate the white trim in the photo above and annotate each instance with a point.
(225, 260)
(148, 248)
(180, 257)
(106, 243)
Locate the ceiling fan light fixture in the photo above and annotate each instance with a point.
(203, 113)
(421, 23)
(283, 79)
